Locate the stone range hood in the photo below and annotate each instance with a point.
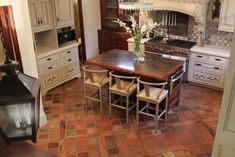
(194, 8)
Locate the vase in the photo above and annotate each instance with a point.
(137, 50)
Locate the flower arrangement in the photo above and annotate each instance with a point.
(136, 31)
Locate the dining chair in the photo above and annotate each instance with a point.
(96, 79)
(121, 86)
(152, 93)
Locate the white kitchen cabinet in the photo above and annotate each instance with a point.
(227, 16)
(58, 67)
(40, 15)
(207, 69)
(64, 12)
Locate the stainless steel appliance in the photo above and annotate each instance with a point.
(65, 35)
(173, 49)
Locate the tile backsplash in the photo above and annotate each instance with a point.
(212, 36)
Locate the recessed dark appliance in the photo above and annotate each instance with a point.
(65, 34)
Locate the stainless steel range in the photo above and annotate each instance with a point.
(174, 49)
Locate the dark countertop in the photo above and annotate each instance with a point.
(154, 66)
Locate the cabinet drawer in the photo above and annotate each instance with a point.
(70, 52)
(49, 59)
(218, 60)
(199, 56)
(206, 78)
(51, 79)
(69, 59)
(70, 71)
(207, 66)
(46, 68)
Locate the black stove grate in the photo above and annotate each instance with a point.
(181, 43)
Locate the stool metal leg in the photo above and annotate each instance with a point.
(127, 109)
(85, 91)
(137, 112)
(156, 117)
(101, 101)
(110, 101)
(166, 107)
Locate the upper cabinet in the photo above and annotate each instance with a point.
(64, 13)
(40, 15)
(227, 16)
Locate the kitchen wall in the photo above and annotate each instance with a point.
(92, 22)
(213, 36)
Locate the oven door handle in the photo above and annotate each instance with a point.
(176, 77)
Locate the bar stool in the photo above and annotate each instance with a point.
(154, 95)
(96, 79)
(124, 86)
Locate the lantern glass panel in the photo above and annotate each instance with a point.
(15, 120)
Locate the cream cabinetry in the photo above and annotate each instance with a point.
(58, 67)
(40, 15)
(64, 12)
(227, 16)
(207, 69)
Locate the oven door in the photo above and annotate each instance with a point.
(176, 80)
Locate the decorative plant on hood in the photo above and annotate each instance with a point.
(137, 32)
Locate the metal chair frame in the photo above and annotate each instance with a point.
(148, 101)
(127, 95)
(89, 74)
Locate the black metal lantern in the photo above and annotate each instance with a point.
(19, 104)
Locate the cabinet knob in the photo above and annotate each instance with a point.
(198, 56)
(217, 68)
(39, 21)
(49, 59)
(198, 64)
(57, 18)
(217, 59)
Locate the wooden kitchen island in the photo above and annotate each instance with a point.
(154, 67)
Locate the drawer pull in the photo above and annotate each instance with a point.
(50, 68)
(69, 60)
(198, 64)
(49, 59)
(68, 52)
(217, 59)
(217, 68)
(199, 56)
(52, 79)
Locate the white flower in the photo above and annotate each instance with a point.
(143, 28)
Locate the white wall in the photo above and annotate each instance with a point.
(24, 34)
(92, 22)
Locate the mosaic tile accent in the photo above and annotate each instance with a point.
(212, 35)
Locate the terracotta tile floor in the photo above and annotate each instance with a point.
(70, 132)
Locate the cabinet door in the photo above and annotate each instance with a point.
(227, 16)
(64, 13)
(34, 15)
(40, 15)
(46, 15)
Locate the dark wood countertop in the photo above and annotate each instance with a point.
(154, 66)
